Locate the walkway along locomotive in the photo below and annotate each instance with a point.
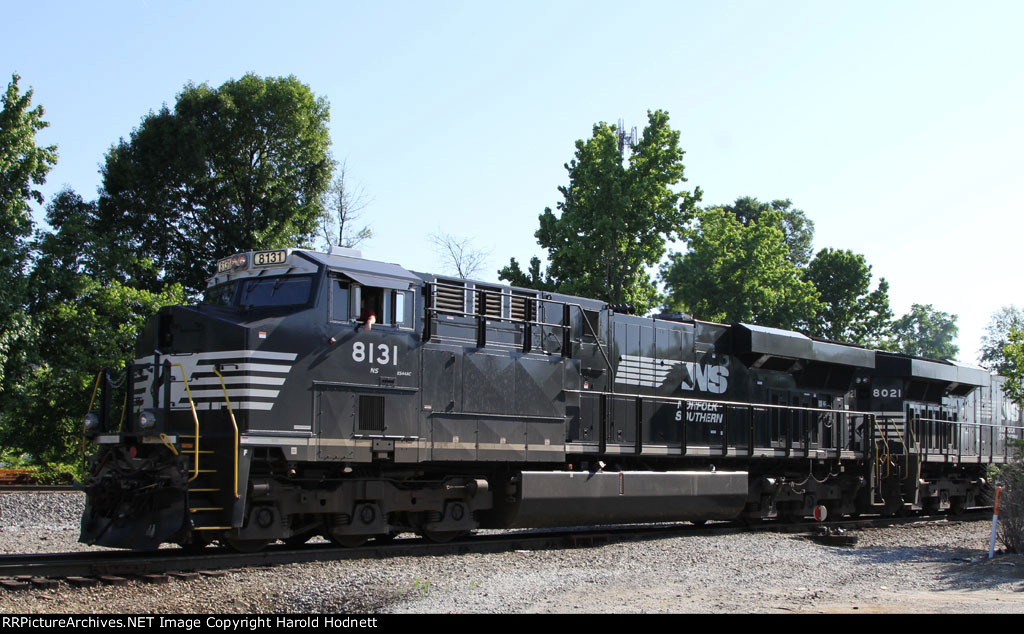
(278, 409)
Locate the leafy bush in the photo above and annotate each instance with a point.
(54, 473)
(14, 459)
(1011, 501)
(48, 473)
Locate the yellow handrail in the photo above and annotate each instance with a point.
(913, 443)
(195, 417)
(124, 405)
(885, 443)
(165, 439)
(906, 450)
(95, 388)
(234, 424)
(124, 409)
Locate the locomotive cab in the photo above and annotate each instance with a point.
(254, 409)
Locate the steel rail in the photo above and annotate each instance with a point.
(168, 560)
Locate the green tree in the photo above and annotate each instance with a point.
(531, 278)
(77, 337)
(82, 320)
(733, 272)
(795, 225)
(23, 167)
(68, 253)
(243, 166)
(926, 332)
(616, 214)
(1013, 365)
(1004, 320)
(850, 311)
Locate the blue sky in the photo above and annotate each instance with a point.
(896, 127)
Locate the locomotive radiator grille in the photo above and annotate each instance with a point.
(371, 413)
(450, 299)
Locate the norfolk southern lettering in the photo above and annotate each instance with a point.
(702, 412)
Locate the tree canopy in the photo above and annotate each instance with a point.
(81, 320)
(926, 332)
(615, 216)
(23, 164)
(996, 337)
(797, 228)
(533, 277)
(1013, 368)
(78, 336)
(736, 272)
(23, 167)
(242, 166)
(1002, 349)
(850, 311)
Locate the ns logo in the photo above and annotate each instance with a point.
(709, 378)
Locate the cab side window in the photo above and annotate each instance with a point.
(388, 307)
(340, 302)
(371, 302)
(402, 308)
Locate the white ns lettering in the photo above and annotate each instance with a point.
(708, 378)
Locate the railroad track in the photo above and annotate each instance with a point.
(24, 480)
(19, 571)
(38, 488)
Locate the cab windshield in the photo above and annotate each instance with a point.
(285, 290)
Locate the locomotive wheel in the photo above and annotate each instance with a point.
(441, 537)
(247, 545)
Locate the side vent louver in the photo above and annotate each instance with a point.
(519, 306)
(491, 298)
(371, 413)
(449, 299)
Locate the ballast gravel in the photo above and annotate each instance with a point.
(934, 567)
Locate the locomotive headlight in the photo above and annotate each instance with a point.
(147, 420)
(91, 421)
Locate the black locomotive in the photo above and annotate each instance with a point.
(325, 394)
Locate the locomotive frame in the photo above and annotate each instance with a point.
(272, 412)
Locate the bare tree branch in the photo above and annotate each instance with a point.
(459, 255)
(345, 204)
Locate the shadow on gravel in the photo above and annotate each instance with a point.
(958, 568)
